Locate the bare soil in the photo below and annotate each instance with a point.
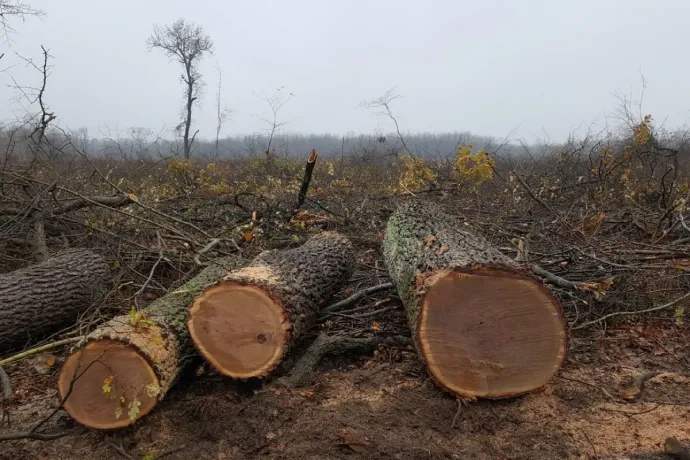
(385, 407)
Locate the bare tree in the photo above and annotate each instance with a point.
(275, 102)
(10, 9)
(382, 104)
(186, 43)
(221, 113)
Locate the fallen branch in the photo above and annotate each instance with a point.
(639, 312)
(109, 201)
(302, 374)
(555, 279)
(34, 351)
(356, 296)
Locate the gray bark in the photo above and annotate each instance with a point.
(46, 297)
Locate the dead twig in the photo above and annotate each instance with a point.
(119, 449)
(356, 296)
(638, 312)
(603, 390)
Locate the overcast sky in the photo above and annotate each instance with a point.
(486, 67)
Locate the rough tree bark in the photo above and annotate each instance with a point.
(137, 356)
(244, 325)
(484, 326)
(45, 297)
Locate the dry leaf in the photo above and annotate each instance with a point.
(375, 326)
(350, 441)
(429, 240)
(248, 236)
(442, 250)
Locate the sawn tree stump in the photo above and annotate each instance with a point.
(245, 324)
(129, 364)
(48, 296)
(484, 327)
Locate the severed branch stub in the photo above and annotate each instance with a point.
(484, 326)
(245, 324)
(308, 170)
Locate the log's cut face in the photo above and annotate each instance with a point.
(239, 329)
(107, 384)
(490, 333)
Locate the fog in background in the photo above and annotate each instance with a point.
(535, 69)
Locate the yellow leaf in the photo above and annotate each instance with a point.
(49, 359)
(107, 388)
(153, 390)
(118, 412)
(116, 265)
(430, 239)
(134, 409)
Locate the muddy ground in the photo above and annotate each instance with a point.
(384, 406)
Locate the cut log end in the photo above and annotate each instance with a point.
(490, 333)
(112, 385)
(238, 329)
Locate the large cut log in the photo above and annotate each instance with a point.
(128, 365)
(43, 298)
(244, 325)
(484, 327)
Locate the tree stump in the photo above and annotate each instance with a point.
(245, 324)
(48, 296)
(129, 364)
(483, 325)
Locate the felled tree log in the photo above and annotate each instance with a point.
(244, 325)
(485, 327)
(48, 296)
(128, 365)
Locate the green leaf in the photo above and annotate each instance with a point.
(148, 456)
(680, 311)
(153, 390)
(134, 409)
(118, 412)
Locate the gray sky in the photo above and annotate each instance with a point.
(485, 67)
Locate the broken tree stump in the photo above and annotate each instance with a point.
(129, 364)
(43, 298)
(484, 326)
(245, 324)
